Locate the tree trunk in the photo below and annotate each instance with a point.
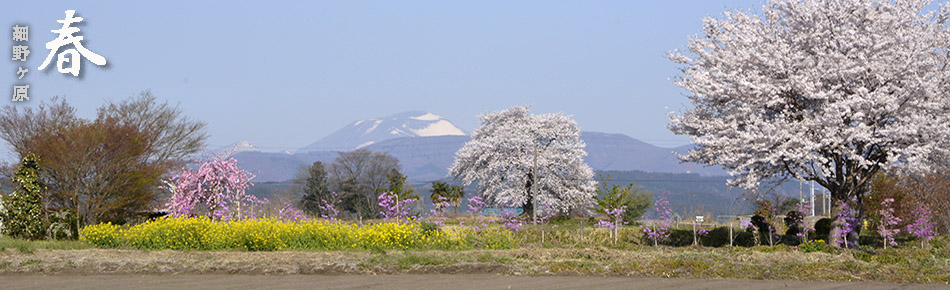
(527, 208)
(836, 239)
(855, 235)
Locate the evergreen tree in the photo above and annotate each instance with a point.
(453, 194)
(316, 189)
(22, 216)
(398, 186)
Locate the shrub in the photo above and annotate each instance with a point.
(659, 230)
(815, 246)
(633, 200)
(922, 227)
(823, 228)
(62, 225)
(680, 238)
(793, 221)
(766, 231)
(744, 239)
(791, 240)
(717, 237)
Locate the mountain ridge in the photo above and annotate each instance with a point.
(363, 133)
(428, 158)
(425, 144)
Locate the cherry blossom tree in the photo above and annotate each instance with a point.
(887, 226)
(520, 160)
(831, 91)
(216, 188)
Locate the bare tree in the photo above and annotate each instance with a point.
(357, 174)
(99, 169)
(171, 135)
(18, 127)
(106, 169)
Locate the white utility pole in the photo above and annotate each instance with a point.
(812, 198)
(534, 185)
(801, 199)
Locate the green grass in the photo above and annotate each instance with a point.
(409, 260)
(780, 262)
(28, 247)
(789, 263)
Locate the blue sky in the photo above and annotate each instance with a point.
(283, 74)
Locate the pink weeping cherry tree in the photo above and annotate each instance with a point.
(217, 188)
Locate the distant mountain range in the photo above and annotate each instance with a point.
(688, 194)
(239, 146)
(364, 133)
(425, 145)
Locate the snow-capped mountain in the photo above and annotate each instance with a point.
(364, 133)
(240, 146)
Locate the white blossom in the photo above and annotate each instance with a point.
(831, 91)
(511, 149)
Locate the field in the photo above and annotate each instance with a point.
(568, 249)
(781, 263)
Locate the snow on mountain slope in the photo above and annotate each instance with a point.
(427, 117)
(439, 128)
(239, 146)
(363, 133)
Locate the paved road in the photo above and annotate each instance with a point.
(414, 282)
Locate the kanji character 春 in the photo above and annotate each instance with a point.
(65, 38)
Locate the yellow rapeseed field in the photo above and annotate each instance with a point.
(180, 233)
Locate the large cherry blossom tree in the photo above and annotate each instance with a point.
(523, 160)
(831, 91)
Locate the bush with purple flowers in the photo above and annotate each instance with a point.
(475, 207)
(887, 223)
(289, 213)
(393, 208)
(437, 215)
(659, 229)
(846, 223)
(923, 225)
(615, 216)
(512, 221)
(328, 208)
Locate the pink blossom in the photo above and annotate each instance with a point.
(216, 188)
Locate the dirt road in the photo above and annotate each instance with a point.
(414, 282)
